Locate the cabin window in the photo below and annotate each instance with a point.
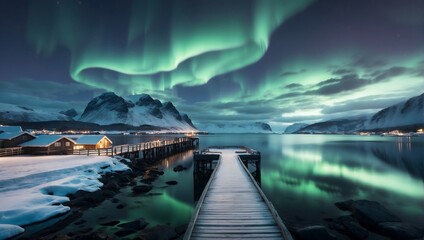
(57, 144)
(68, 144)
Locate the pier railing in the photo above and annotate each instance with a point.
(248, 150)
(128, 148)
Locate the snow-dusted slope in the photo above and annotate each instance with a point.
(255, 127)
(33, 189)
(295, 127)
(345, 125)
(136, 110)
(402, 114)
(13, 113)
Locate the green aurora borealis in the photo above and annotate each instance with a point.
(274, 61)
(160, 46)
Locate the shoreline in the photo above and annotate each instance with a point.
(113, 182)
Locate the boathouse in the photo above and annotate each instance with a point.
(49, 145)
(92, 142)
(12, 136)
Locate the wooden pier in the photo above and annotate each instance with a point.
(232, 205)
(145, 150)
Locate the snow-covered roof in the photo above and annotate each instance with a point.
(11, 135)
(10, 129)
(91, 139)
(44, 141)
(10, 132)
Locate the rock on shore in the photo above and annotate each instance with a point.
(372, 216)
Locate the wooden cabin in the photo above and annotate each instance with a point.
(92, 142)
(12, 136)
(49, 145)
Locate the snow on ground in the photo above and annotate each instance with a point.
(8, 230)
(33, 188)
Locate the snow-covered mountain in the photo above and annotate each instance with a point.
(295, 127)
(344, 125)
(135, 110)
(14, 113)
(402, 114)
(249, 127)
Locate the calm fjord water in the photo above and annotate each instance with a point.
(304, 175)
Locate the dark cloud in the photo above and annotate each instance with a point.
(368, 62)
(343, 71)
(328, 82)
(289, 95)
(389, 73)
(257, 110)
(338, 85)
(237, 104)
(290, 73)
(330, 87)
(294, 85)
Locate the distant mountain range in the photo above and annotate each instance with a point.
(407, 116)
(112, 112)
(108, 109)
(13, 113)
(248, 127)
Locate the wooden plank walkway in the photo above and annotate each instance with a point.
(232, 205)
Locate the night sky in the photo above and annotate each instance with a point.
(275, 61)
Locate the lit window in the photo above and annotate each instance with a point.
(57, 144)
(68, 144)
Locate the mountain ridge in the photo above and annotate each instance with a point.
(407, 115)
(108, 109)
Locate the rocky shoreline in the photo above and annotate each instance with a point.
(365, 218)
(113, 182)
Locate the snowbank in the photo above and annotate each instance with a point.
(7, 230)
(33, 188)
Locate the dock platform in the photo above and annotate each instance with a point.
(232, 205)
